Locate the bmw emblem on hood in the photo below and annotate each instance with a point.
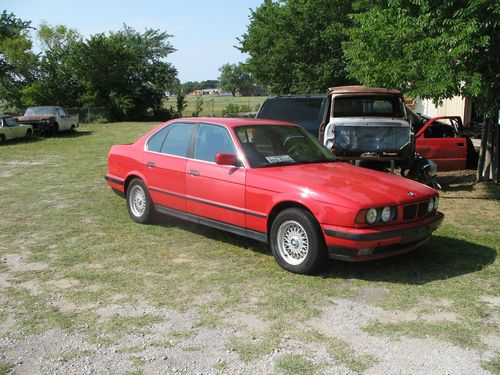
(411, 194)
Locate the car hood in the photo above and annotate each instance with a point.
(339, 183)
(36, 118)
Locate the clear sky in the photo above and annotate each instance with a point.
(204, 31)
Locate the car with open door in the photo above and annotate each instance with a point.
(273, 182)
(441, 140)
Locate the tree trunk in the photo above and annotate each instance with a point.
(488, 165)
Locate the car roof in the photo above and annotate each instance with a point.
(233, 122)
(361, 90)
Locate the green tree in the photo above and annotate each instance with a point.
(295, 46)
(198, 106)
(17, 61)
(125, 71)
(429, 48)
(57, 80)
(235, 78)
(433, 49)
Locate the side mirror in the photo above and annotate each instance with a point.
(226, 159)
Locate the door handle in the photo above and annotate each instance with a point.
(460, 144)
(151, 164)
(193, 172)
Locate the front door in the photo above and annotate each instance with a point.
(439, 142)
(215, 192)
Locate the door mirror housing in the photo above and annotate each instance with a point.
(227, 159)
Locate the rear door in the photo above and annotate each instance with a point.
(439, 142)
(165, 165)
(215, 192)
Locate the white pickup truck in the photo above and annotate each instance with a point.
(49, 120)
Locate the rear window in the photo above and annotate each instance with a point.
(292, 109)
(363, 106)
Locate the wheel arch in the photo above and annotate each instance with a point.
(281, 206)
(130, 177)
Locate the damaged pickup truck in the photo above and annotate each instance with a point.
(49, 120)
(355, 122)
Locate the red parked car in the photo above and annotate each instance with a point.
(274, 182)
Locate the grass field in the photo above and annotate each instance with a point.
(72, 261)
(213, 105)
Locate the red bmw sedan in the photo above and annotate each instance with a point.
(273, 182)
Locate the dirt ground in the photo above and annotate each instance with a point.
(342, 338)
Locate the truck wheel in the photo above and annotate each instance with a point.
(297, 242)
(72, 129)
(29, 133)
(2, 138)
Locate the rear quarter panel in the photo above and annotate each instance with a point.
(124, 161)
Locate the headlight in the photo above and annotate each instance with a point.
(431, 205)
(371, 216)
(386, 214)
(436, 203)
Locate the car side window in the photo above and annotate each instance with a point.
(156, 140)
(177, 141)
(210, 141)
(62, 112)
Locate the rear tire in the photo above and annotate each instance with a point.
(297, 241)
(2, 138)
(139, 204)
(29, 133)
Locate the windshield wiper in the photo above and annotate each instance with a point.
(319, 161)
(280, 164)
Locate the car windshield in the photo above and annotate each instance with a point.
(370, 105)
(33, 111)
(9, 121)
(277, 145)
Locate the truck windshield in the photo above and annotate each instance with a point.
(277, 145)
(34, 111)
(292, 109)
(368, 106)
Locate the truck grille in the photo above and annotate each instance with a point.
(416, 210)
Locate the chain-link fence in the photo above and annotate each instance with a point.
(90, 114)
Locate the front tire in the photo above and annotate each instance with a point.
(297, 241)
(139, 204)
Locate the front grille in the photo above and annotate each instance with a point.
(415, 210)
(409, 212)
(422, 209)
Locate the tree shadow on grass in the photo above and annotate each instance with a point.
(440, 259)
(458, 182)
(25, 140)
(443, 258)
(73, 134)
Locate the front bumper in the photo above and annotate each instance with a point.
(355, 245)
